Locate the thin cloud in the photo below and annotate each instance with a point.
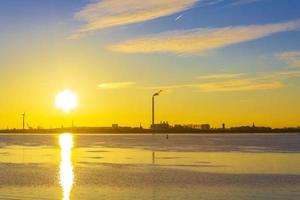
(254, 83)
(110, 13)
(249, 84)
(227, 3)
(292, 58)
(219, 76)
(197, 41)
(116, 85)
(287, 74)
(261, 82)
(211, 2)
(282, 75)
(240, 85)
(218, 83)
(243, 2)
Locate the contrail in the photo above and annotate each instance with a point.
(179, 17)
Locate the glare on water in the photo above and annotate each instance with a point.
(66, 167)
(233, 166)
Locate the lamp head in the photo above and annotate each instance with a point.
(157, 93)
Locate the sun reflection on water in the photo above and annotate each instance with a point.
(66, 173)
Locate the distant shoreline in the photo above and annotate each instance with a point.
(128, 130)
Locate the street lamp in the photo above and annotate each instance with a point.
(154, 95)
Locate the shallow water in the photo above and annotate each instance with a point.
(212, 166)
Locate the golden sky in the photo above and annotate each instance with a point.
(216, 62)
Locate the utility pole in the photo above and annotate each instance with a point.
(24, 115)
(153, 109)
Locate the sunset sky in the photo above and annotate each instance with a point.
(217, 61)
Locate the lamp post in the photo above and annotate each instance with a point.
(153, 110)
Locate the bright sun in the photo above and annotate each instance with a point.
(66, 100)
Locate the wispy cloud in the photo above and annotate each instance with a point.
(290, 57)
(219, 76)
(210, 2)
(286, 74)
(110, 13)
(228, 3)
(116, 85)
(240, 85)
(247, 83)
(217, 83)
(243, 2)
(196, 41)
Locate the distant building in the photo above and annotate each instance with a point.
(115, 126)
(205, 126)
(161, 125)
(179, 126)
(192, 126)
(251, 129)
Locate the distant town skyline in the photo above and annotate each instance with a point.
(234, 62)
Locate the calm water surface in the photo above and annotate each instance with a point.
(75, 167)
